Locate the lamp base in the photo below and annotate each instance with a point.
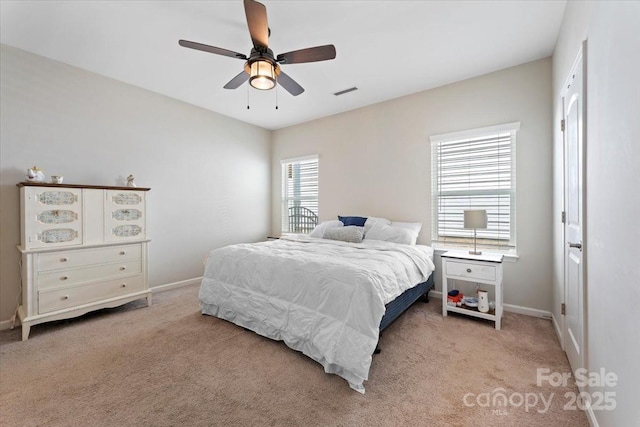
(475, 252)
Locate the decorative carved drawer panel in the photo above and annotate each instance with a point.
(53, 217)
(124, 215)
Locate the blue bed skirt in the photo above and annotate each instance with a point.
(398, 306)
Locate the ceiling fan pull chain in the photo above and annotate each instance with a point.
(248, 97)
(276, 92)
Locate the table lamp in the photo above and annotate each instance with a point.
(475, 218)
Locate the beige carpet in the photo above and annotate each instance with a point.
(170, 365)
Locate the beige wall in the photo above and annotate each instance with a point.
(612, 234)
(376, 161)
(209, 174)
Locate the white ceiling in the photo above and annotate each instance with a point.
(385, 48)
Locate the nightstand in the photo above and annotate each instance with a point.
(485, 269)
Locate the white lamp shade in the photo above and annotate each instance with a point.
(475, 218)
(263, 75)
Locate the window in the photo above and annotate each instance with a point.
(299, 194)
(475, 170)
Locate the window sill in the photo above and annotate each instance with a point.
(510, 255)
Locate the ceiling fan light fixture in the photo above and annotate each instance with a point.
(262, 67)
(262, 75)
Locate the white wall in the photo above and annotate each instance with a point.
(209, 174)
(612, 251)
(376, 161)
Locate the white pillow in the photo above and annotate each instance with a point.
(415, 227)
(371, 220)
(389, 233)
(351, 234)
(323, 226)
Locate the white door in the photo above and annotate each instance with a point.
(574, 138)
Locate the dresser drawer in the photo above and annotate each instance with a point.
(58, 299)
(471, 271)
(58, 278)
(85, 257)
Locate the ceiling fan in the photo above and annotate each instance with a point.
(262, 68)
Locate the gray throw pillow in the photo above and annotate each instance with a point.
(351, 234)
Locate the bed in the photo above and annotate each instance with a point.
(325, 298)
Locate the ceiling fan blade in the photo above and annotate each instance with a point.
(235, 82)
(289, 84)
(257, 22)
(211, 49)
(312, 54)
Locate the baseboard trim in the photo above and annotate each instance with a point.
(175, 285)
(591, 416)
(528, 311)
(558, 330)
(6, 324)
(534, 312)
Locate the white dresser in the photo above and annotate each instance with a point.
(83, 247)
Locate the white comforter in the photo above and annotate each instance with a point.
(322, 297)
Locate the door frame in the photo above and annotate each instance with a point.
(581, 56)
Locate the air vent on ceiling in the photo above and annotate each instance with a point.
(342, 92)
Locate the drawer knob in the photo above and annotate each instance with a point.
(123, 252)
(65, 259)
(64, 277)
(123, 268)
(468, 270)
(124, 285)
(65, 297)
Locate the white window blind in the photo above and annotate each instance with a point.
(475, 170)
(299, 194)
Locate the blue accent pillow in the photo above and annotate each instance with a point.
(358, 221)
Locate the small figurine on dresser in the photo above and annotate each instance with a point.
(34, 174)
(130, 181)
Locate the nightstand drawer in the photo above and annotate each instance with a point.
(471, 271)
